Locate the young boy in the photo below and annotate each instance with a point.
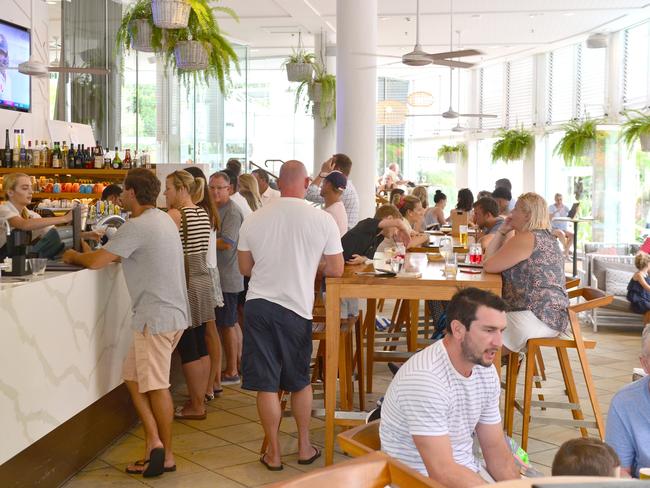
(586, 457)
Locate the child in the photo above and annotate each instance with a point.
(586, 457)
(638, 289)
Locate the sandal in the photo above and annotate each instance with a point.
(156, 465)
(143, 462)
(311, 459)
(270, 467)
(178, 414)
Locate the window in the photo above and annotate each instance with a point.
(390, 138)
(491, 96)
(635, 70)
(593, 81)
(520, 93)
(561, 85)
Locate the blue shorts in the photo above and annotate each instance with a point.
(277, 348)
(226, 316)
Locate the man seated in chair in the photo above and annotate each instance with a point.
(628, 420)
(448, 392)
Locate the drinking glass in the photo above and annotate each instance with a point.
(475, 253)
(446, 246)
(396, 264)
(451, 266)
(462, 235)
(37, 265)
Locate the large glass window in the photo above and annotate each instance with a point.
(636, 65)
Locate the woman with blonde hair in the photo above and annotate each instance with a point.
(250, 190)
(532, 268)
(182, 190)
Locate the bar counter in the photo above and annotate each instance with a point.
(63, 338)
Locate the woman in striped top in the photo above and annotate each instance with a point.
(181, 191)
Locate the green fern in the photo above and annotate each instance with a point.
(578, 138)
(327, 112)
(512, 145)
(300, 56)
(460, 148)
(127, 31)
(634, 127)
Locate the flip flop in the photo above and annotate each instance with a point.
(268, 466)
(143, 462)
(178, 414)
(156, 465)
(311, 459)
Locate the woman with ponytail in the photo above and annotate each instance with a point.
(182, 190)
(436, 214)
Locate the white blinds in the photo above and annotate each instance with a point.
(491, 95)
(520, 93)
(560, 85)
(593, 82)
(635, 71)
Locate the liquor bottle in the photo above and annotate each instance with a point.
(79, 157)
(117, 162)
(56, 155)
(45, 156)
(36, 155)
(107, 159)
(89, 159)
(71, 155)
(99, 156)
(29, 155)
(127, 159)
(64, 155)
(15, 158)
(6, 156)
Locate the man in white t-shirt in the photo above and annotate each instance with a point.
(267, 194)
(280, 248)
(331, 190)
(448, 392)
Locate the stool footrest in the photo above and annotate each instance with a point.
(562, 405)
(588, 424)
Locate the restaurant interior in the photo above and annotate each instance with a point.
(427, 98)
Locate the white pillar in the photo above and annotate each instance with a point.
(356, 97)
(324, 137)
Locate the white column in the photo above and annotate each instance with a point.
(324, 137)
(356, 98)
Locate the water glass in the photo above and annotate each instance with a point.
(451, 266)
(446, 246)
(396, 264)
(37, 266)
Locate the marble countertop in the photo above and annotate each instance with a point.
(18, 281)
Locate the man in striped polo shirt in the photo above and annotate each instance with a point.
(448, 392)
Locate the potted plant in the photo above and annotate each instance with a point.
(300, 66)
(321, 93)
(579, 140)
(636, 128)
(453, 154)
(137, 30)
(512, 145)
(171, 14)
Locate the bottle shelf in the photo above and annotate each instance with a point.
(70, 196)
(88, 173)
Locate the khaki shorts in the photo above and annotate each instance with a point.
(149, 359)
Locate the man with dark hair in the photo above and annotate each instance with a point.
(505, 183)
(234, 165)
(267, 194)
(503, 198)
(112, 193)
(235, 196)
(586, 456)
(152, 261)
(350, 197)
(487, 219)
(447, 392)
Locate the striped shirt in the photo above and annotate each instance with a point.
(429, 397)
(198, 230)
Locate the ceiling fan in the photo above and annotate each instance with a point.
(418, 57)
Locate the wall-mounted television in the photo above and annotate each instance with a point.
(15, 48)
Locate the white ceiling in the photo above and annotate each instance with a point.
(496, 27)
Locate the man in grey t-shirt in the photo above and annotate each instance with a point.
(232, 282)
(152, 260)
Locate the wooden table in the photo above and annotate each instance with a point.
(434, 241)
(431, 286)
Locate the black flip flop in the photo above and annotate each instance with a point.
(142, 463)
(156, 465)
(311, 459)
(268, 466)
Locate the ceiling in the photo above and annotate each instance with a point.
(496, 27)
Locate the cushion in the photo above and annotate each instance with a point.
(600, 265)
(616, 281)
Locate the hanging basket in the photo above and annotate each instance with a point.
(644, 139)
(171, 14)
(191, 56)
(315, 92)
(451, 157)
(299, 71)
(141, 40)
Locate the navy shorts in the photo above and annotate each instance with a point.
(227, 315)
(192, 344)
(277, 348)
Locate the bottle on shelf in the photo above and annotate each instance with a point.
(36, 155)
(107, 159)
(6, 156)
(15, 158)
(117, 162)
(79, 157)
(45, 155)
(29, 155)
(22, 155)
(71, 155)
(56, 155)
(98, 156)
(89, 160)
(127, 159)
(64, 155)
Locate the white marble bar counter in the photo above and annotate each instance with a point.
(63, 340)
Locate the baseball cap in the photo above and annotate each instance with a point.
(337, 179)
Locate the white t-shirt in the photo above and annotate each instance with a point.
(429, 397)
(287, 240)
(269, 196)
(337, 211)
(241, 202)
(9, 211)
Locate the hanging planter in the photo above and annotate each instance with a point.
(321, 91)
(171, 14)
(636, 128)
(513, 145)
(142, 33)
(453, 154)
(315, 92)
(191, 56)
(578, 146)
(137, 30)
(298, 72)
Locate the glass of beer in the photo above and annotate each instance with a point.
(462, 235)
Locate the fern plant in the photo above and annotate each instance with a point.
(578, 138)
(460, 149)
(327, 102)
(513, 145)
(300, 56)
(127, 31)
(634, 128)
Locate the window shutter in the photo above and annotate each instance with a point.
(635, 70)
(520, 93)
(593, 81)
(561, 85)
(491, 96)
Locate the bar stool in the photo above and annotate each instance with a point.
(360, 440)
(593, 298)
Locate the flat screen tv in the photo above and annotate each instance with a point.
(15, 87)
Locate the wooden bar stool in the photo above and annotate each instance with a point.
(360, 440)
(593, 298)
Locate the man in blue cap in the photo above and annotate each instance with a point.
(331, 190)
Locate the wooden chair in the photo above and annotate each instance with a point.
(360, 440)
(374, 470)
(593, 298)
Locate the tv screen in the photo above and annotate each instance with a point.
(15, 87)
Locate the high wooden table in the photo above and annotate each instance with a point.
(432, 285)
(575, 237)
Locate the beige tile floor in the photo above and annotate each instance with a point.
(223, 450)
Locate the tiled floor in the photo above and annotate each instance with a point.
(223, 450)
